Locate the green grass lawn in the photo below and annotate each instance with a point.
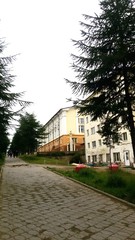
(44, 160)
(118, 183)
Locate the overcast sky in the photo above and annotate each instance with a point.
(41, 32)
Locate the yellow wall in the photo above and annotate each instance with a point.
(60, 144)
(71, 121)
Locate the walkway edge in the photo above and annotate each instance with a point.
(1, 170)
(94, 189)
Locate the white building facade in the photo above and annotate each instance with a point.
(96, 151)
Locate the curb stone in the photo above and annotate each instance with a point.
(94, 189)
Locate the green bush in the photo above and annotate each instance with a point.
(130, 189)
(87, 172)
(51, 154)
(115, 180)
(76, 158)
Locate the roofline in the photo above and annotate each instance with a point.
(60, 110)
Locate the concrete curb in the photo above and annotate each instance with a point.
(94, 189)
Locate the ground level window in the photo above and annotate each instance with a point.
(126, 158)
(107, 157)
(126, 155)
(74, 140)
(100, 158)
(94, 158)
(116, 156)
(88, 158)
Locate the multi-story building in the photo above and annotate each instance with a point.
(96, 151)
(64, 131)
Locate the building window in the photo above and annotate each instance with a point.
(87, 119)
(116, 156)
(99, 142)
(100, 158)
(93, 144)
(107, 157)
(88, 158)
(81, 128)
(124, 136)
(126, 155)
(74, 140)
(87, 132)
(88, 145)
(94, 158)
(93, 130)
(81, 120)
(98, 127)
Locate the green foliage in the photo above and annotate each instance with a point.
(44, 160)
(130, 189)
(120, 184)
(87, 172)
(2, 159)
(105, 67)
(51, 154)
(116, 180)
(28, 135)
(4, 140)
(8, 99)
(76, 158)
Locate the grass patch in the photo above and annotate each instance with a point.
(119, 183)
(44, 160)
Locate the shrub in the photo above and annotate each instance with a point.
(130, 189)
(76, 158)
(87, 172)
(115, 180)
(51, 154)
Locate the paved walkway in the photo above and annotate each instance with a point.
(37, 204)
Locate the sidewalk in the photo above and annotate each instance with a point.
(37, 204)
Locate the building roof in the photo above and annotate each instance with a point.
(58, 112)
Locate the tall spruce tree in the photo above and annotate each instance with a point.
(105, 68)
(8, 99)
(28, 135)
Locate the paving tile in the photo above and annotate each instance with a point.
(38, 204)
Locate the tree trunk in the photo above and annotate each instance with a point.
(131, 125)
(130, 113)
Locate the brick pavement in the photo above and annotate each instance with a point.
(37, 204)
